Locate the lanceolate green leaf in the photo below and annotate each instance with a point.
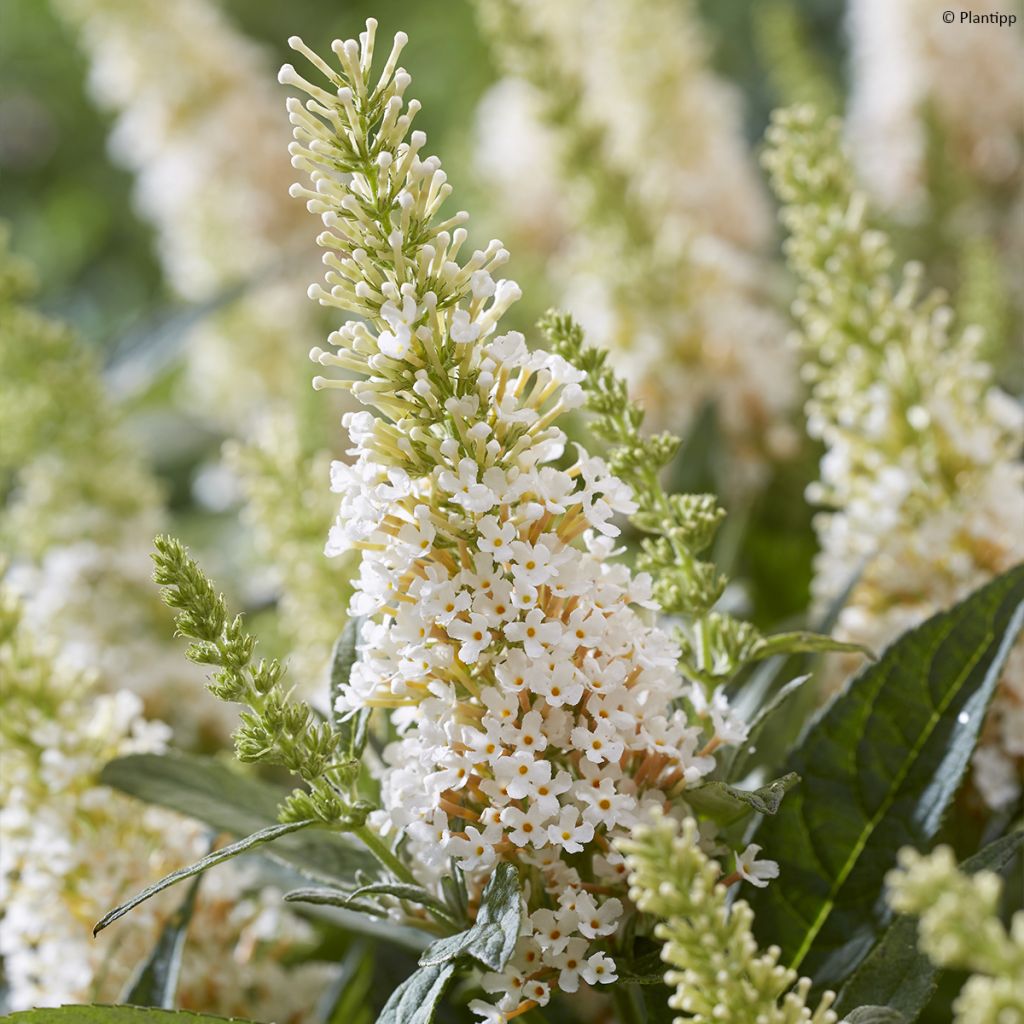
(415, 1000)
(803, 642)
(156, 981)
(351, 727)
(879, 768)
(210, 791)
(492, 938)
(896, 973)
(257, 839)
(115, 1015)
(333, 898)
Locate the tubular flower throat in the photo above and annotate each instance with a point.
(537, 710)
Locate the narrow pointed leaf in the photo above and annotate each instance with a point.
(156, 982)
(896, 972)
(203, 788)
(411, 893)
(257, 839)
(803, 642)
(880, 766)
(492, 938)
(334, 898)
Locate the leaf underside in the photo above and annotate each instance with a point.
(491, 940)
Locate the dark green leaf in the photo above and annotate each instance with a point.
(802, 642)
(156, 981)
(92, 1014)
(492, 938)
(345, 999)
(257, 839)
(737, 761)
(656, 1006)
(879, 767)
(415, 1000)
(352, 726)
(646, 970)
(896, 972)
(210, 791)
(875, 1015)
(726, 804)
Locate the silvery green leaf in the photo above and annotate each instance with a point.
(492, 938)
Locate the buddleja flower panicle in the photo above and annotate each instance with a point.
(659, 257)
(72, 848)
(921, 482)
(536, 710)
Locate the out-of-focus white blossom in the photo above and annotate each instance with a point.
(70, 850)
(200, 127)
(914, 73)
(936, 127)
(289, 512)
(663, 223)
(922, 474)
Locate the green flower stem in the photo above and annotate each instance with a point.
(380, 850)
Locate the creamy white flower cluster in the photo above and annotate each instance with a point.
(170, 131)
(914, 73)
(98, 601)
(660, 258)
(921, 471)
(70, 849)
(538, 711)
